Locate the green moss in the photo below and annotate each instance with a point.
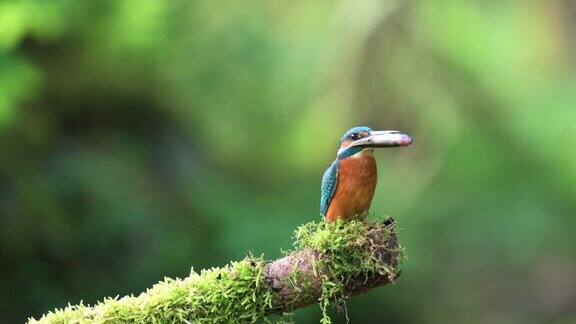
(238, 292)
(350, 250)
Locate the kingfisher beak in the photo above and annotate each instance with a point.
(387, 138)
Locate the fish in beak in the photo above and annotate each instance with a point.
(388, 138)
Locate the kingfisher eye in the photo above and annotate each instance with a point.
(354, 136)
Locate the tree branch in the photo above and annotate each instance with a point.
(332, 261)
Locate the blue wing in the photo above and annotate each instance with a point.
(329, 182)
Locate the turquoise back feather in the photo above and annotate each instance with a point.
(329, 182)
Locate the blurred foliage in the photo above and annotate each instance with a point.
(139, 138)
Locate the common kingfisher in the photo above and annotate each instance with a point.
(349, 182)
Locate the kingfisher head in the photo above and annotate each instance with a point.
(364, 139)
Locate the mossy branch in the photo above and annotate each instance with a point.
(330, 262)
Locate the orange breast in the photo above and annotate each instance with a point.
(357, 178)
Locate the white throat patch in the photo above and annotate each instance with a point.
(364, 152)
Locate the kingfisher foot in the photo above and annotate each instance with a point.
(389, 221)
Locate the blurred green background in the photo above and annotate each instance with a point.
(140, 138)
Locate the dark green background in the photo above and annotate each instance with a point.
(140, 138)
